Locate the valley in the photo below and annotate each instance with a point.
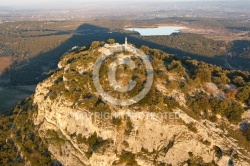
(39, 45)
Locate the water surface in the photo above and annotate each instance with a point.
(158, 31)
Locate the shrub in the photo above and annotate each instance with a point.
(213, 118)
(220, 75)
(172, 85)
(128, 158)
(218, 152)
(169, 146)
(243, 93)
(145, 49)
(171, 103)
(218, 106)
(198, 103)
(111, 41)
(221, 79)
(95, 44)
(100, 106)
(234, 112)
(80, 139)
(52, 96)
(203, 75)
(117, 121)
(129, 126)
(192, 127)
(238, 81)
(94, 142)
(227, 107)
(177, 67)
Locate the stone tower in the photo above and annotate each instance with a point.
(126, 42)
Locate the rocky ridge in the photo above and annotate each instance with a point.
(76, 139)
(187, 118)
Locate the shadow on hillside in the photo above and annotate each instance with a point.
(33, 72)
(240, 54)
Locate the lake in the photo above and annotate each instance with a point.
(163, 30)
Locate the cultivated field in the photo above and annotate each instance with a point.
(4, 62)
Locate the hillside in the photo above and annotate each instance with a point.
(239, 54)
(194, 112)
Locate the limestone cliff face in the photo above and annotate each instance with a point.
(76, 137)
(153, 140)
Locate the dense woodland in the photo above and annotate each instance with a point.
(20, 141)
(36, 47)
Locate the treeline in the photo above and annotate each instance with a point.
(35, 69)
(240, 49)
(232, 24)
(190, 43)
(238, 54)
(195, 46)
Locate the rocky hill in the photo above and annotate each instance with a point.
(193, 114)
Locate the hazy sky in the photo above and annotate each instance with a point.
(13, 2)
(46, 4)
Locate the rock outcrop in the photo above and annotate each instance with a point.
(79, 134)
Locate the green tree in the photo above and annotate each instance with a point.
(199, 102)
(238, 81)
(111, 41)
(145, 49)
(177, 67)
(218, 106)
(221, 79)
(128, 158)
(234, 112)
(243, 93)
(203, 75)
(95, 44)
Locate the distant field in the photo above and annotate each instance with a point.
(9, 97)
(25, 40)
(4, 62)
(39, 45)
